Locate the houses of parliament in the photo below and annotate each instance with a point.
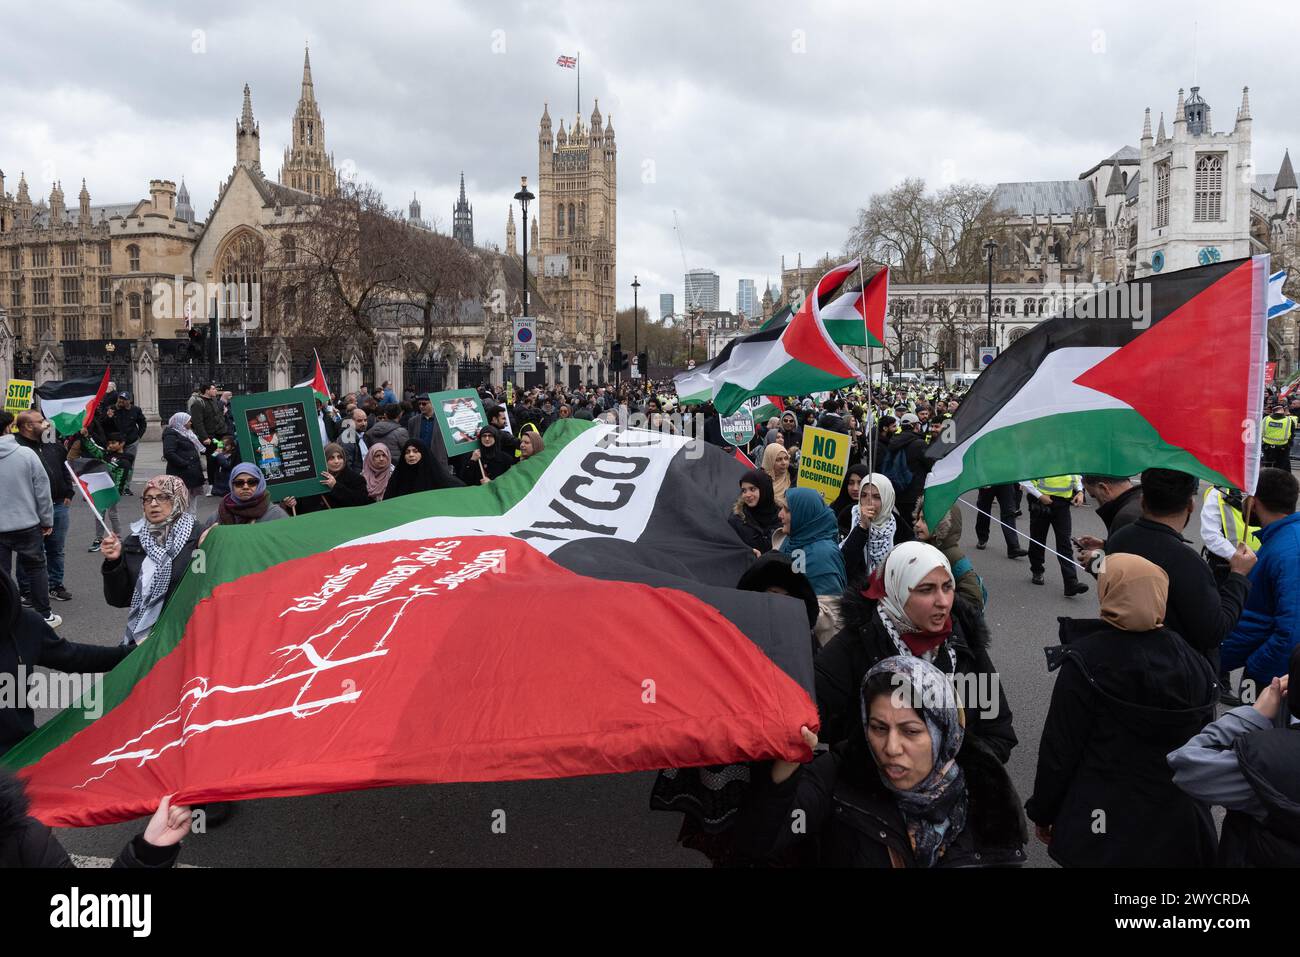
(90, 270)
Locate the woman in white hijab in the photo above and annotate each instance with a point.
(910, 607)
(872, 525)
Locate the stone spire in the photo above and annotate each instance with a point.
(308, 92)
(1160, 130)
(532, 237)
(83, 203)
(462, 218)
(511, 248)
(1286, 175)
(1146, 125)
(184, 210)
(248, 136)
(1180, 110)
(1243, 111)
(413, 209)
(56, 204)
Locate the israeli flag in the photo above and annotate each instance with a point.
(1278, 303)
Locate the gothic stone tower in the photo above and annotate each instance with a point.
(577, 219)
(1194, 199)
(306, 164)
(462, 218)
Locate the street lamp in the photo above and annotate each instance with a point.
(525, 197)
(990, 247)
(636, 344)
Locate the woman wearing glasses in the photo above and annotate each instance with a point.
(142, 572)
(247, 502)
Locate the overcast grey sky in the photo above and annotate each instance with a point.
(764, 124)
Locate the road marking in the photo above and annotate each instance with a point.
(86, 860)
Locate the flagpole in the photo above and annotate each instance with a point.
(577, 62)
(1021, 534)
(82, 489)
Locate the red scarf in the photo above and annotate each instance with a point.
(918, 642)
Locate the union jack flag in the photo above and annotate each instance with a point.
(567, 61)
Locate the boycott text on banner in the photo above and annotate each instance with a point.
(461, 416)
(739, 428)
(278, 432)
(823, 458)
(18, 395)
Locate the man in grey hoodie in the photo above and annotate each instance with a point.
(26, 516)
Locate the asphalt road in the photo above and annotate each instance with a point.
(601, 821)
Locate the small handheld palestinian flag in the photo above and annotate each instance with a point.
(1163, 372)
(317, 383)
(99, 487)
(71, 403)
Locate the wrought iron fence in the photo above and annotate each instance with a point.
(427, 374)
(244, 369)
(86, 358)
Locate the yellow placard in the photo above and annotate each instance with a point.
(18, 395)
(823, 459)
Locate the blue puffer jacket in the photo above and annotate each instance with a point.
(1269, 627)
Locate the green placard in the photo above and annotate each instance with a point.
(461, 416)
(738, 428)
(279, 433)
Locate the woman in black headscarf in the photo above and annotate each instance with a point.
(910, 789)
(755, 515)
(344, 488)
(488, 461)
(418, 471)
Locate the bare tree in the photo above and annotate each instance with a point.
(926, 236)
(328, 275)
(437, 274)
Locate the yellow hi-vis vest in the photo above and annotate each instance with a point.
(1277, 431)
(1062, 486)
(1231, 521)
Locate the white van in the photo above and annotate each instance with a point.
(965, 379)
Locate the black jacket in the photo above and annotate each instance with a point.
(129, 424)
(840, 667)
(852, 819)
(26, 842)
(751, 534)
(1270, 761)
(52, 456)
(207, 418)
(1122, 701)
(121, 575)
(1202, 612)
(28, 642)
(349, 491)
(183, 459)
(1123, 510)
(913, 446)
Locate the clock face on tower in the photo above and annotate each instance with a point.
(1208, 254)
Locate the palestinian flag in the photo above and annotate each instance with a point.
(317, 383)
(857, 317)
(575, 616)
(1163, 372)
(764, 407)
(794, 359)
(100, 483)
(71, 404)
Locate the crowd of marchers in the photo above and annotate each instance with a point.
(905, 770)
